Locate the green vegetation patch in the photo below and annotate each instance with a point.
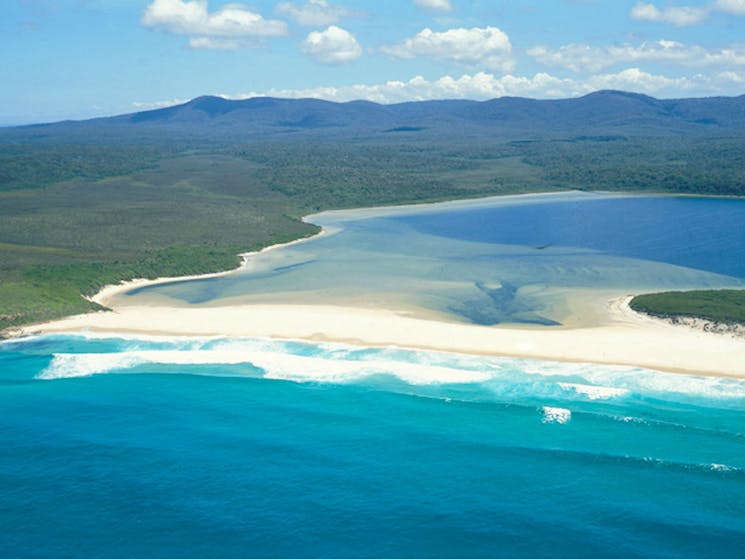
(661, 164)
(717, 305)
(48, 291)
(38, 165)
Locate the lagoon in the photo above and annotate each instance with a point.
(493, 261)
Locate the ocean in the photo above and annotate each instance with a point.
(123, 446)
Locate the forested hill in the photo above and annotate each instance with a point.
(600, 113)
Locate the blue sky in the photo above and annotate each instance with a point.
(83, 58)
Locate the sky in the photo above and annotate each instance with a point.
(62, 59)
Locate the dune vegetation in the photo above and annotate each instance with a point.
(725, 306)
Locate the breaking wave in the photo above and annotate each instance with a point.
(340, 363)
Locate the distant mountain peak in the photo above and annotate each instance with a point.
(602, 113)
(618, 93)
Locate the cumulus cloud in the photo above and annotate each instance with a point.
(488, 47)
(193, 18)
(333, 45)
(736, 7)
(439, 5)
(578, 58)
(679, 16)
(314, 13)
(634, 79)
(483, 85)
(214, 43)
(150, 105)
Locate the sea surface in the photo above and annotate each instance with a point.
(118, 446)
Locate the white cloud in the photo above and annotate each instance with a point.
(193, 18)
(736, 7)
(313, 13)
(579, 58)
(725, 79)
(483, 85)
(679, 16)
(634, 79)
(333, 45)
(439, 5)
(216, 43)
(147, 106)
(488, 47)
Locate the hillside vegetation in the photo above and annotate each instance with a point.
(725, 306)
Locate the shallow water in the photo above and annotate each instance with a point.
(498, 261)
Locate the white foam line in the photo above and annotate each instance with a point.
(556, 415)
(594, 392)
(276, 365)
(594, 382)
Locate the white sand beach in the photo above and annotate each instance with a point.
(626, 338)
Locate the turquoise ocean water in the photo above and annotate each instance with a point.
(116, 446)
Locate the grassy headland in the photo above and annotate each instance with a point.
(724, 306)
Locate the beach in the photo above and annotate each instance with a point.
(597, 325)
(626, 338)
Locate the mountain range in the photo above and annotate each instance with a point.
(602, 112)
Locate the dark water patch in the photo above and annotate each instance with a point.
(501, 305)
(295, 266)
(702, 233)
(405, 129)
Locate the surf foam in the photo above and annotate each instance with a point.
(556, 415)
(594, 392)
(276, 365)
(336, 362)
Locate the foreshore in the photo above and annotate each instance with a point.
(109, 292)
(615, 336)
(626, 338)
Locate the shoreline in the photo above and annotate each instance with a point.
(625, 339)
(618, 336)
(108, 292)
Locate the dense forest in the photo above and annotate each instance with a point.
(724, 306)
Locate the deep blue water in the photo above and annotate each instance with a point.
(702, 233)
(114, 447)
